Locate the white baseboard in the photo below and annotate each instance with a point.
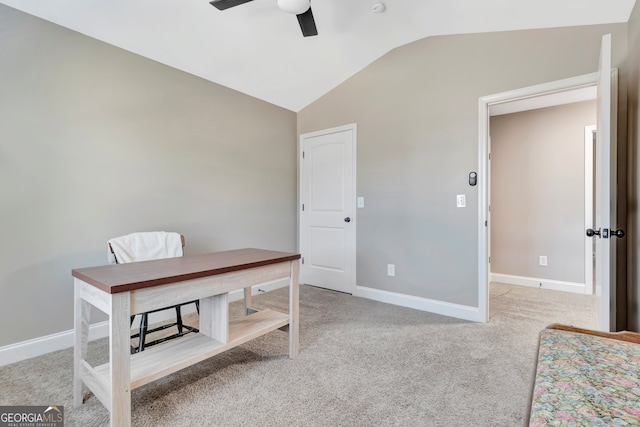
(533, 282)
(464, 312)
(38, 346)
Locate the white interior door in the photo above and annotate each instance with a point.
(327, 217)
(605, 204)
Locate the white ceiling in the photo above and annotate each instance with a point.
(259, 50)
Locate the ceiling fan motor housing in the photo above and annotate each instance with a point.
(294, 6)
(300, 8)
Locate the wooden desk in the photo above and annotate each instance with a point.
(122, 290)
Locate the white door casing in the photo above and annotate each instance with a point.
(589, 244)
(483, 167)
(328, 208)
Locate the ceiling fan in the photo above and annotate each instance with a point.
(301, 8)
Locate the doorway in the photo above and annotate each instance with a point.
(541, 175)
(531, 93)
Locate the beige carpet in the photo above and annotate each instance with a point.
(362, 363)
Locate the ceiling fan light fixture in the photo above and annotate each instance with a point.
(294, 6)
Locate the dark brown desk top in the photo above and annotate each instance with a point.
(115, 278)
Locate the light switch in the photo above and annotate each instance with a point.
(461, 200)
(361, 202)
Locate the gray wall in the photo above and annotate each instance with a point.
(538, 191)
(633, 236)
(417, 115)
(96, 142)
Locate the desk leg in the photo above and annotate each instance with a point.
(82, 314)
(294, 304)
(119, 354)
(214, 317)
(248, 302)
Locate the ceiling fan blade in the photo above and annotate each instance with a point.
(307, 23)
(226, 4)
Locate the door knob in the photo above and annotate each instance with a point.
(617, 233)
(347, 219)
(591, 232)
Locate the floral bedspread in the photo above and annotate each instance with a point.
(584, 380)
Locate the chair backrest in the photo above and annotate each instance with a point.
(144, 246)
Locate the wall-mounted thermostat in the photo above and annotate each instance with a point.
(473, 178)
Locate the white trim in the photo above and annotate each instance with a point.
(483, 210)
(588, 207)
(24, 350)
(483, 134)
(337, 129)
(438, 307)
(535, 282)
(557, 86)
(38, 346)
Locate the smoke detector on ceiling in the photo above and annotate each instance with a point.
(378, 7)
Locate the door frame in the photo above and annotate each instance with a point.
(354, 128)
(558, 86)
(589, 172)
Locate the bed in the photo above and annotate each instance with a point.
(585, 378)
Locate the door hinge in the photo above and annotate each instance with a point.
(303, 207)
(302, 259)
(489, 260)
(303, 154)
(486, 223)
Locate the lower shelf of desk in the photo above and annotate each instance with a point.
(157, 362)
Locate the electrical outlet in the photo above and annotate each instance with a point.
(461, 200)
(543, 261)
(391, 269)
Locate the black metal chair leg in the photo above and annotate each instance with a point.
(144, 323)
(133, 349)
(178, 319)
(198, 306)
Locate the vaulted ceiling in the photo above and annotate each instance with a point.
(258, 49)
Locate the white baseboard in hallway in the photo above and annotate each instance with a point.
(464, 312)
(23, 350)
(533, 282)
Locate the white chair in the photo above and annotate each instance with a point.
(145, 246)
